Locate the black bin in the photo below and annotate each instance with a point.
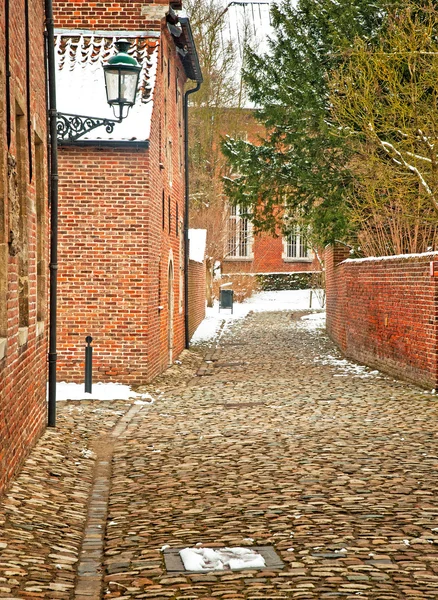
(226, 299)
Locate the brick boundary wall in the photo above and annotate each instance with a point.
(384, 312)
(197, 293)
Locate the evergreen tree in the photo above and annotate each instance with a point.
(300, 164)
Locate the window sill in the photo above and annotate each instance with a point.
(3, 344)
(298, 260)
(238, 259)
(23, 333)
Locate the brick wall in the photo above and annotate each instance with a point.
(268, 258)
(23, 237)
(120, 253)
(109, 15)
(384, 313)
(197, 287)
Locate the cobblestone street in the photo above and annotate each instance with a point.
(269, 438)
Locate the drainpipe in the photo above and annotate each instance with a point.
(53, 187)
(186, 212)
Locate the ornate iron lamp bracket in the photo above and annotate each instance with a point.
(71, 127)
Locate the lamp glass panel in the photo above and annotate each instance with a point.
(112, 85)
(128, 87)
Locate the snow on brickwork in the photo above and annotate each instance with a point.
(198, 240)
(80, 84)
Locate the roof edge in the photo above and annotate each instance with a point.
(194, 70)
(139, 144)
(105, 33)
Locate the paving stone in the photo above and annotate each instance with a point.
(332, 464)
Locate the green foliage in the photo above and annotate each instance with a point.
(300, 164)
(385, 101)
(285, 281)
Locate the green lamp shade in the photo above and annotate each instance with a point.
(121, 77)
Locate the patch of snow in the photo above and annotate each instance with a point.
(291, 300)
(87, 453)
(197, 243)
(312, 322)
(100, 391)
(347, 367)
(208, 559)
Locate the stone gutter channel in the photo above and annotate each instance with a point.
(89, 581)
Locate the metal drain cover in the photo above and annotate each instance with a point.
(174, 563)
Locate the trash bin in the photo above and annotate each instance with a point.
(226, 299)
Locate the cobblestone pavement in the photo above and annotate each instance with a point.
(275, 442)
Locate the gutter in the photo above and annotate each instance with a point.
(53, 191)
(193, 71)
(186, 211)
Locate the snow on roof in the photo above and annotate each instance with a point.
(80, 84)
(197, 243)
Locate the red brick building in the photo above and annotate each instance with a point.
(23, 231)
(122, 197)
(262, 254)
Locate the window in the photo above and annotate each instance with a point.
(170, 162)
(40, 229)
(163, 211)
(181, 266)
(169, 210)
(295, 245)
(239, 234)
(23, 257)
(3, 242)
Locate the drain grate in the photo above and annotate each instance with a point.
(174, 563)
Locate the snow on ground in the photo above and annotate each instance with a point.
(262, 301)
(100, 391)
(312, 322)
(207, 559)
(346, 367)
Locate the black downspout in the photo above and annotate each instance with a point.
(28, 106)
(53, 162)
(186, 212)
(8, 76)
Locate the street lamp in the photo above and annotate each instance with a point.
(121, 73)
(121, 80)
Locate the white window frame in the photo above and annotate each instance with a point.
(293, 246)
(239, 241)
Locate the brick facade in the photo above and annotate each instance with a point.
(197, 285)
(121, 233)
(23, 233)
(110, 15)
(384, 313)
(268, 257)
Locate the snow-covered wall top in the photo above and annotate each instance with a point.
(80, 84)
(198, 240)
(395, 257)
